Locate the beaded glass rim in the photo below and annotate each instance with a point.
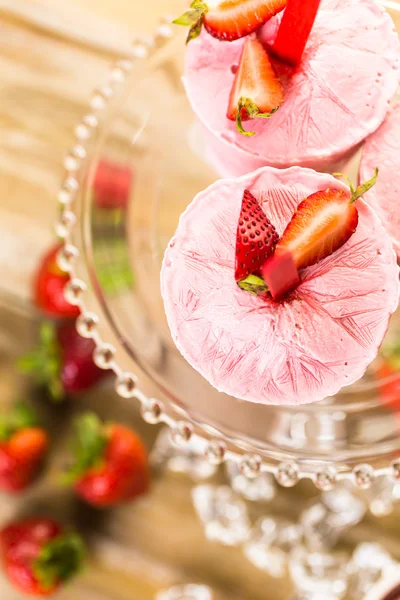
(287, 473)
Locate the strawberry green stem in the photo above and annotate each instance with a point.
(193, 18)
(59, 560)
(44, 362)
(88, 447)
(391, 354)
(114, 269)
(253, 284)
(20, 417)
(362, 189)
(254, 113)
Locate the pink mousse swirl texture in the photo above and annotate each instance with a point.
(382, 149)
(337, 96)
(322, 337)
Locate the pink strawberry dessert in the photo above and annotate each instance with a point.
(383, 148)
(286, 320)
(312, 80)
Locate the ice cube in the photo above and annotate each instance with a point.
(222, 513)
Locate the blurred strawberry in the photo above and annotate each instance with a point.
(63, 361)
(39, 556)
(111, 463)
(112, 185)
(49, 285)
(23, 446)
(388, 376)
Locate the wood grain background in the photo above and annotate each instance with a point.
(52, 55)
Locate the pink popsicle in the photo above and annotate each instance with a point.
(383, 149)
(294, 352)
(337, 96)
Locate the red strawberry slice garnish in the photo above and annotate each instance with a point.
(257, 90)
(282, 275)
(234, 19)
(229, 20)
(295, 28)
(322, 224)
(255, 240)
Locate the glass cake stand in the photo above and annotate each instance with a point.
(139, 123)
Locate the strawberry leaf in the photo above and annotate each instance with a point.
(253, 285)
(391, 353)
(267, 115)
(193, 18)
(114, 270)
(88, 447)
(199, 5)
(362, 189)
(188, 19)
(59, 560)
(20, 417)
(243, 103)
(44, 362)
(254, 113)
(195, 31)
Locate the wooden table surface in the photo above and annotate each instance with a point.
(53, 55)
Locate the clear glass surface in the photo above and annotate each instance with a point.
(150, 131)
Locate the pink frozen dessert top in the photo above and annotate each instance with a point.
(311, 342)
(383, 148)
(335, 97)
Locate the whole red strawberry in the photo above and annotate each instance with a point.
(49, 284)
(39, 556)
(63, 361)
(256, 238)
(111, 464)
(112, 185)
(23, 446)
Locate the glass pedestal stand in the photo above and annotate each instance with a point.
(139, 145)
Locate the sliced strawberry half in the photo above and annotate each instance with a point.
(229, 20)
(256, 238)
(257, 90)
(295, 28)
(321, 225)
